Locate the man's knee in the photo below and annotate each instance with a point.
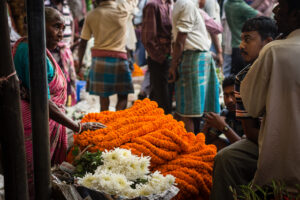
(224, 157)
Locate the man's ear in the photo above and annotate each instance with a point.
(267, 40)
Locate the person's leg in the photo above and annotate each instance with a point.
(104, 103)
(145, 89)
(227, 65)
(234, 165)
(122, 102)
(159, 84)
(189, 124)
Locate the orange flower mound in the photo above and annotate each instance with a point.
(145, 129)
(137, 71)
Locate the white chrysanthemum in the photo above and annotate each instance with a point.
(170, 179)
(120, 170)
(145, 190)
(110, 156)
(144, 165)
(88, 180)
(130, 193)
(124, 153)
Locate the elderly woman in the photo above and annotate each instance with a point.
(57, 95)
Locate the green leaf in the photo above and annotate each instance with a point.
(75, 151)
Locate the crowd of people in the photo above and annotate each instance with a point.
(195, 52)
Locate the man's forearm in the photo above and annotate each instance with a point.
(216, 42)
(178, 48)
(232, 136)
(81, 51)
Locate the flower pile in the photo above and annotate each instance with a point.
(126, 175)
(137, 71)
(146, 130)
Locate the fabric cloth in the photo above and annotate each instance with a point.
(64, 57)
(240, 109)
(226, 36)
(234, 165)
(21, 61)
(226, 65)
(110, 76)
(237, 61)
(57, 132)
(14, 36)
(138, 16)
(271, 87)
(211, 26)
(160, 90)
(187, 19)
(110, 31)
(156, 29)
(78, 8)
(66, 12)
(197, 88)
(237, 13)
(146, 83)
(212, 8)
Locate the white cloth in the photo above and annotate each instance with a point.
(187, 19)
(212, 8)
(272, 88)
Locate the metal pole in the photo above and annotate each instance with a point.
(11, 134)
(39, 98)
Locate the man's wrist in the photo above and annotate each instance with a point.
(224, 127)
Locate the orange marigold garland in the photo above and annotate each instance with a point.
(146, 130)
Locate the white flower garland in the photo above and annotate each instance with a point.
(120, 170)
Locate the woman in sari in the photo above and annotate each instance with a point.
(57, 95)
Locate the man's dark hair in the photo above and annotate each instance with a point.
(228, 81)
(265, 26)
(293, 4)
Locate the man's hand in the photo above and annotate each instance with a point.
(215, 120)
(173, 74)
(219, 59)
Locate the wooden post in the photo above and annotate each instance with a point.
(39, 98)
(11, 133)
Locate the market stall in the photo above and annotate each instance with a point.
(146, 135)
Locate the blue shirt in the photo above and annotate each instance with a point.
(21, 61)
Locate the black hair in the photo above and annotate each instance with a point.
(228, 81)
(293, 4)
(265, 26)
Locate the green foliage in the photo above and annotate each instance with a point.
(87, 163)
(138, 181)
(275, 191)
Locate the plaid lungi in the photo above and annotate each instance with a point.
(197, 88)
(110, 76)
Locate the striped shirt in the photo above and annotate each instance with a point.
(240, 109)
(66, 12)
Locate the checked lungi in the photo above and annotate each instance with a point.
(197, 88)
(110, 76)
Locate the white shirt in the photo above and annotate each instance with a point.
(272, 88)
(187, 19)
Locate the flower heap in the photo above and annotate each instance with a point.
(137, 71)
(121, 171)
(146, 130)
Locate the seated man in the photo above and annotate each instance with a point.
(236, 164)
(225, 123)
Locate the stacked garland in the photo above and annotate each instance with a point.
(146, 130)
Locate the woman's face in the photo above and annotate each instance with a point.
(54, 32)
